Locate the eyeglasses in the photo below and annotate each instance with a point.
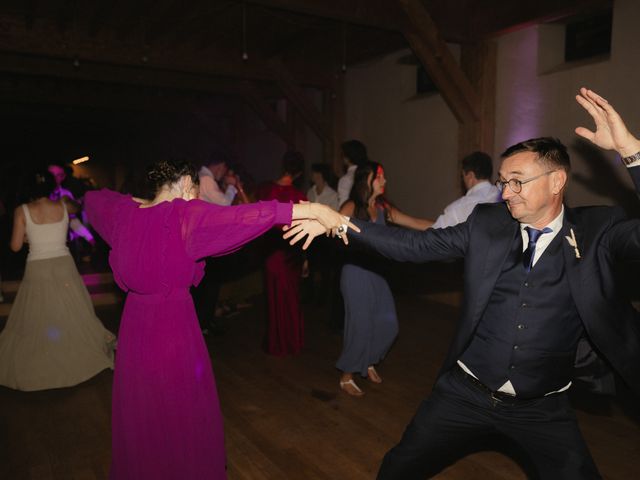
(516, 185)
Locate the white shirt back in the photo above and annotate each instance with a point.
(458, 211)
(328, 197)
(344, 185)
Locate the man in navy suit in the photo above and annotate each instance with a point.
(538, 282)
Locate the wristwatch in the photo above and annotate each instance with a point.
(631, 159)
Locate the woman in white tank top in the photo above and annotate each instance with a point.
(52, 338)
(46, 240)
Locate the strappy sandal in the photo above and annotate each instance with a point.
(372, 375)
(351, 388)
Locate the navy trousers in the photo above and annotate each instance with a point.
(458, 417)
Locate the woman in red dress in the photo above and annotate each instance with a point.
(283, 268)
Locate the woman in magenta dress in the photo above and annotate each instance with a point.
(166, 418)
(283, 268)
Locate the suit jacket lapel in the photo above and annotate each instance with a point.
(499, 243)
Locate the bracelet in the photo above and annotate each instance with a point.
(631, 159)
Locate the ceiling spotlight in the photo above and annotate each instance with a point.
(80, 160)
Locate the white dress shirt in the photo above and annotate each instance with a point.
(210, 191)
(345, 183)
(328, 197)
(458, 211)
(544, 240)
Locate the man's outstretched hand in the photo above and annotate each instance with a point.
(611, 132)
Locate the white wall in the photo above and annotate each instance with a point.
(533, 101)
(416, 140)
(412, 137)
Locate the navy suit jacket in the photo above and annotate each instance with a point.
(604, 237)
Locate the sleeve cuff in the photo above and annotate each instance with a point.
(284, 213)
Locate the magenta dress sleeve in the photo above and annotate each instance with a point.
(213, 230)
(102, 209)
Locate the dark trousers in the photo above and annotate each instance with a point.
(459, 416)
(205, 295)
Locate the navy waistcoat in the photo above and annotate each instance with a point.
(529, 332)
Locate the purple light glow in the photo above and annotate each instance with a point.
(54, 334)
(93, 279)
(521, 88)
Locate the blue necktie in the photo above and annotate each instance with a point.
(529, 253)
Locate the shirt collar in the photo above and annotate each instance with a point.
(555, 225)
(352, 168)
(481, 184)
(205, 171)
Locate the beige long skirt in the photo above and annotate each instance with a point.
(53, 338)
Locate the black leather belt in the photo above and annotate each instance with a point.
(496, 397)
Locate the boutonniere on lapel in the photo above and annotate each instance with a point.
(573, 242)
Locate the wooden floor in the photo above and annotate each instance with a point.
(285, 417)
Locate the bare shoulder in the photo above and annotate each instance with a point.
(19, 212)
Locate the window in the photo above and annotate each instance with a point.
(588, 36)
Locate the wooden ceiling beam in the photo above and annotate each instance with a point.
(432, 51)
(71, 95)
(105, 74)
(181, 28)
(373, 13)
(45, 41)
(470, 93)
(479, 62)
(298, 40)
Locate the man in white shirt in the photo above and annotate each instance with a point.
(210, 191)
(354, 154)
(322, 257)
(206, 294)
(321, 192)
(477, 169)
